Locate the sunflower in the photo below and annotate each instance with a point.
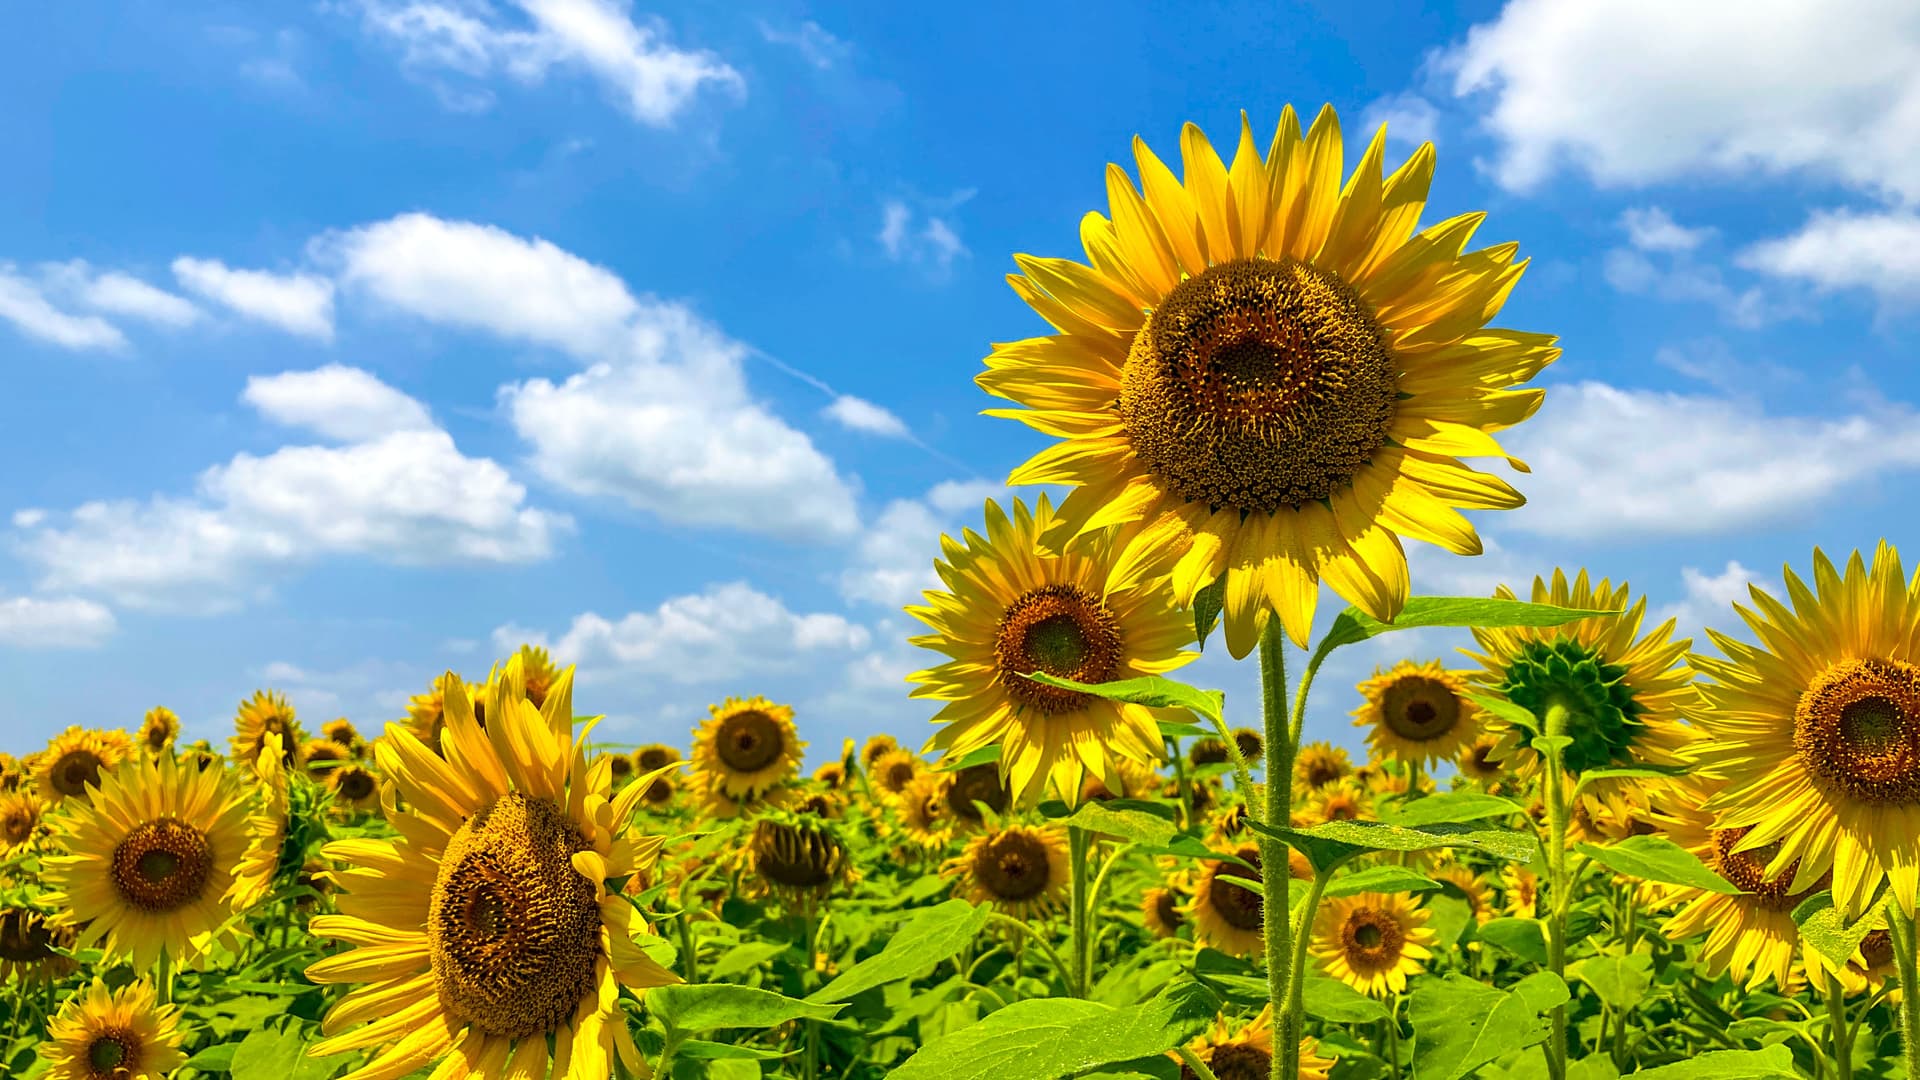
(427, 713)
(1021, 870)
(159, 729)
(537, 673)
(1014, 609)
(345, 734)
(1520, 888)
(1816, 730)
(1476, 760)
(148, 865)
(747, 746)
(323, 756)
(1227, 915)
(926, 818)
(1160, 909)
(13, 772)
(1472, 887)
(1342, 801)
(123, 1034)
(659, 794)
(75, 759)
(27, 943)
(1245, 1052)
(1136, 781)
(1623, 690)
(798, 858)
(972, 787)
(19, 820)
(1208, 750)
(485, 936)
(355, 787)
(1268, 373)
(1253, 745)
(266, 827)
(1320, 763)
(1372, 941)
(266, 713)
(1417, 712)
(833, 774)
(894, 770)
(619, 768)
(875, 748)
(201, 755)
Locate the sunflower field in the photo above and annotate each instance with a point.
(1584, 849)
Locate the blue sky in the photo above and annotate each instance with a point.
(350, 342)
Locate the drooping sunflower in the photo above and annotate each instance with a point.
(355, 787)
(1207, 750)
(1014, 608)
(1225, 914)
(1160, 910)
(1816, 730)
(1271, 374)
(972, 787)
(894, 770)
(158, 730)
(798, 858)
(1321, 763)
(1372, 941)
(267, 712)
(1623, 690)
(1252, 744)
(1476, 761)
(1245, 1051)
(27, 942)
(147, 867)
(74, 759)
(1021, 870)
(747, 746)
(926, 819)
(1417, 712)
(123, 1034)
(19, 820)
(485, 936)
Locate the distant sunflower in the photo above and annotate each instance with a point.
(875, 747)
(1208, 750)
(145, 869)
(1372, 941)
(1343, 801)
(1245, 1051)
(485, 936)
(537, 673)
(355, 788)
(1020, 870)
(1520, 891)
(1417, 713)
(659, 794)
(201, 755)
(345, 734)
(1160, 909)
(798, 858)
(833, 774)
(1472, 886)
(13, 772)
(427, 713)
(1817, 730)
(158, 730)
(76, 758)
(1227, 915)
(747, 746)
(1476, 761)
(1320, 763)
(1253, 745)
(266, 713)
(976, 784)
(926, 819)
(323, 756)
(894, 770)
(1014, 607)
(28, 939)
(19, 820)
(124, 1034)
(266, 827)
(619, 768)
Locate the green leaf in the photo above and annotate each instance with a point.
(1460, 1024)
(1141, 825)
(1621, 981)
(1773, 1063)
(1337, 1003)
(1453, 806)
(1354, 625)
(745, 957)
(932, 935)
(1153, 691)
(215, 1058)
(1501, 709)
(1523, 938)
(1380, 879)
(1175, 729)
(985, 755)
(1823, 927)
(1047, 1038)
(270, 1054)
(1335, 842)
(1206, 609)
(705, 1007)
(1656, 858)
(702, 1050)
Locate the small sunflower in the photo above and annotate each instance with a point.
(875, 748)
(123, 1034)
(653, 757)
(201, 755)
(619, 768)
(1320, 763)
(19, 820)
(342, 732)
(354, 787)
(1160, 908)
(1476, 760)
(926, 819)
(74, 759)
(833, 774)
(894, 770)
(1253, 745)
(976, 784)
(266, 713)
(1417, 713)
(427, 713)
(1020, 870)
(747, 746)
(28, 939)
(1208, 750)
(1245, 1052)
(537, 673)
(148, 865)
(322, 757)
(13, 772)
(1520, 890)
(796, 857)
(1225, 914)
(1372, 941)
(158, 730)
(1341, 801)
(1472, 886)
(1015, 607)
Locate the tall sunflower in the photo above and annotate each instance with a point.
(146, 867)
(74, 759)
(1816, 730)
(926, 819)
(1373, 942)
(158, 730)
(1271, 374)
(1013, 608)
(267, 712)
(1417, 712)
(123, 1034)
(747, 746)
(484, 935)
(1019, 869)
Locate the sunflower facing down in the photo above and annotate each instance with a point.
(1417, 713)
(146, 868)
(1020, 870)
(973, 787)
(74, 759)
(798, 858)
(1225, 914)
(747, 746)
(27, 942)
(266, 713)
(158, 730)
(1817, 729)
(123, 1034)
(1372, 941)
(484, 935)
(1245, 1052)
(1012, 608)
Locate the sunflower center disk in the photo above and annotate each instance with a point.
(749, 741)
(1371, 940)
(1420, 709)
(112, 1052)
(976, 784)
(357, 784)
(795, 857)
(1603, 717)
(162, 865)
(513, 930)
(1747, 871)
(1238, 1061)
(1064, 631)
(1258, 385)
(1168, 908)
(1238, 905)
(17, 827)
(1857, 729)
(1013, 867)
(75, 770)
(1876, 949)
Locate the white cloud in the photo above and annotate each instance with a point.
(1680, 278)
(651, 80)
(819, 47)
(860, 414)
(370, 693)
(338, 402)
(118, 293)
(926, 240)
(1712, 361)
(893, 562)
(1708, 601)
(65, 622)
(27, 519)
(1650, 228)
(1410, 119)
(1840, 249)
(297, 303)
(25, 305)
(1636, 92)
(1609, 462)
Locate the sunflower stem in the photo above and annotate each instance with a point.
(1028, 932)
(163, 979)
(1837, 1032)
(1078, 843)
(811, 930)
(1193, 1062)
(1555, 723)
(1302, 935)
(1393, 1036)
(1902, 930)
(1185, 786)
(1282, 739)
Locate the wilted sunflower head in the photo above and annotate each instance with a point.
(19, 819)
(28, 940)
(1417, 712)
(894, 770)
(974, 785)
(1321, 763)
(266, 713)
(1372, 941)
(798, 857)
(1207, 750)
(158, 730)
(1227, 914)
(1021, 870)
(747, 746)
(654, 756)
(123, 1034)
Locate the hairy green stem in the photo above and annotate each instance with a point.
(1276, 882)
(1192, 1061)
(1038, 938)
(1901, 928)
(1555, 723)
(1837, 1031)
(1302, 935)
(1078, 845)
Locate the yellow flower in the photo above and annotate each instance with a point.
(484, 935)
(19, 820)
(1160, 910)
(355, 787)
(798, 858)
(1473, 888)
(537, 673)
(1014, 608)
(653, 757)
(976, 784)
(266, 713)
(1477, 762)
(146, 868)
(894, 770)
(1321, 763)
(1341, 801)
(1245, 1052)
(159, 729)
(926, 819)
(1271, 375)
(75, 759)
(747, 746)
(426, 713)
(27, 941)
(1417, 713)
(123, 1034)
(1020, 870)
(833, 774)
(1372, 942)
(875, 748)
(1227, 915)
(266, 827)
(1521, 890)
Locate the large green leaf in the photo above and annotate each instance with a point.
(1154, 691)
(1354, 625)
(1206, 609)
(1621, 981)
(1142, 822)
(1773, 1063)
(1380, 879)
(1823, 927)
(932, 935)
(1048, 1038)
(1523, 938)
(281, 1054)
(745, 957)
(705, 1007)
(1335, 842)
(1460, 1024)
(1337, 1003)
(1453, 806)
(1656, 858)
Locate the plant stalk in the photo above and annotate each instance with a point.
(1837, 1032)
(1901, 928)
(1276, 882)
(1078, 848)
(1556, 725)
